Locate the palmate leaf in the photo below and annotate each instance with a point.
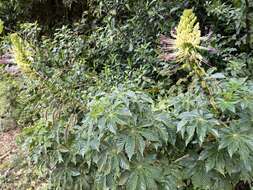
(141, 144)
(196, 170)
(196, 122)
(218, 160)
(235, 94)
(202, 180)
(130, 146)
(136, 143)
(136, 140)
(122, 120)
(238, 138)
(164, 127)
(132, 181)
(101, 183)
(110, 166)
(149, 135)
(172, 177)
(210, 181)
(144, 176)
(227, 105)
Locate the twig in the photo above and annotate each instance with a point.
(5, 155)
(183, 157)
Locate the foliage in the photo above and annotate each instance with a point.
(102, 110)
(115, 145)
(8, 91)
(8, 110)
(48, 12)
(236, 17)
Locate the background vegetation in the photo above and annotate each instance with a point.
(100, 109)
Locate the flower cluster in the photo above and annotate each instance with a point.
(185, 41)
(22, 54)
(1, 26)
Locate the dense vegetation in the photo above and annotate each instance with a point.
(126, 94)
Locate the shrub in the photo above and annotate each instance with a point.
(119, 143)
(122, 139)
(102, 111)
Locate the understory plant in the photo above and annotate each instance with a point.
(209, 111)
(108, 109)
(125, 140)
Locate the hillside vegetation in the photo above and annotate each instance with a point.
(128, 94)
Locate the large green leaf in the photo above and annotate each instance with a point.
(130, 146)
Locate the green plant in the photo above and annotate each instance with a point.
(210, 114)
(102, 111)
(119, 143)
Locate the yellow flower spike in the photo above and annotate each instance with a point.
(22, 54)
(1, 26)
(188, 30)
(183, 47)
(185, 42)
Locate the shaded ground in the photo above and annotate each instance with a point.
(8, 150)
(15, 174)
(7, 144)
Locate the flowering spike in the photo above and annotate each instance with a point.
(188, 30)
(1, 26)
(185, 40)
(22, 55)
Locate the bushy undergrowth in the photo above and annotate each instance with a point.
(104, 106)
